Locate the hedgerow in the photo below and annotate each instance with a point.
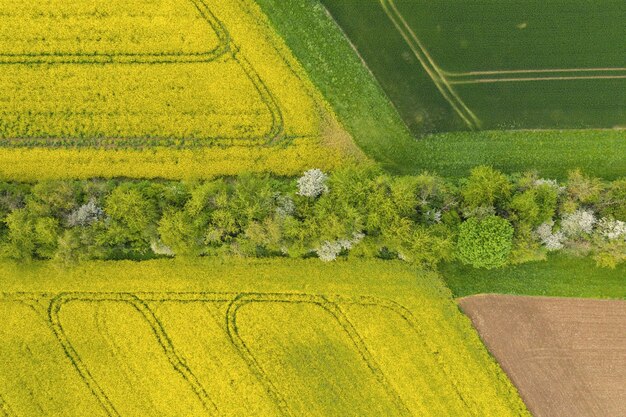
(488, 220)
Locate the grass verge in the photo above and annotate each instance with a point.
(560, 276)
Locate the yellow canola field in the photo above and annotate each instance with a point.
(164, 74)
(234, 337)
(159, 162)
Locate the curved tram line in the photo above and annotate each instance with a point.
(48, 307)
(226, 49)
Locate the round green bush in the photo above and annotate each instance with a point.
(485, 243)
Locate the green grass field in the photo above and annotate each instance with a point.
(212, 337)
(560, 276)
(494, 65)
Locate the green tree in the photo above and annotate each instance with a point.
(30, 237)
(181, 232)
(486, 187)
(54, 198)
(485, 243)
(534, 206)
(132, 220)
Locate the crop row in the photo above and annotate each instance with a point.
(141, 303)
(84, 32)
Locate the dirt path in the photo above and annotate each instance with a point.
(566, 356)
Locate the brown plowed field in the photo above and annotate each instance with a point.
(566, 356)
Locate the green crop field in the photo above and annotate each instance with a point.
(284, 338)
(494, 65)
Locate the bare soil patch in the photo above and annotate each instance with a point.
(566, 356)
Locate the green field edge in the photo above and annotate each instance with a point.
(341, 76)
(559, 276)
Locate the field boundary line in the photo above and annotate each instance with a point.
(532, 71)
(162, 338)
(335, 312)
(278, 123)
(429, 65)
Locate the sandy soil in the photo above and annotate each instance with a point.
(566, 356)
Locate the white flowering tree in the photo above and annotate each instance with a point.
(85, 215)
(578, 224)
(313, 183)
(329, 250)
(551, 240)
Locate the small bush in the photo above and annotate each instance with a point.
(613, 201)
(485, 243)
(583, 189)
(486, 187)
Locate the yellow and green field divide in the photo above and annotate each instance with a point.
(165, 74)
(208, 338)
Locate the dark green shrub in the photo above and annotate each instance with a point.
(485, 243)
